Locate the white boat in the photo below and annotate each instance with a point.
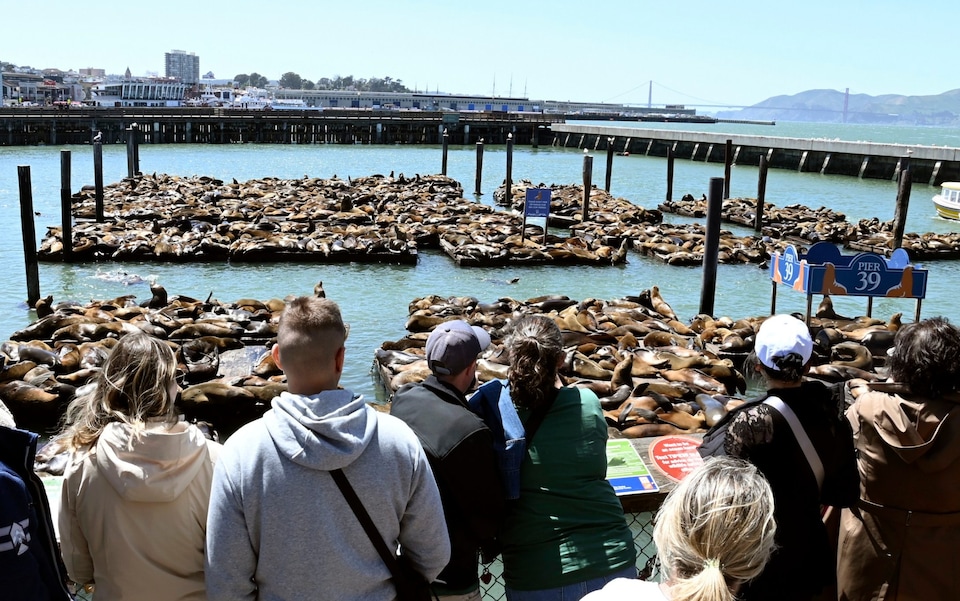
(948, 201)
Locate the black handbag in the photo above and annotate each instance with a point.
(410, 584)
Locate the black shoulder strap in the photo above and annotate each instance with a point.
(364, 518)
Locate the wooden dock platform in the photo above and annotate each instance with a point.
(869, 160)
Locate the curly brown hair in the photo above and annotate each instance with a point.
(535, 347)
(924, 357)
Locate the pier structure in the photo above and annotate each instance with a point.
(205, 125)
(868, 160)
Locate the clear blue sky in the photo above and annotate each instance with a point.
(695, 52)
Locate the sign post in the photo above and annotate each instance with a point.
(536, 204)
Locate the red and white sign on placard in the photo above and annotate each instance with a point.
(675, 456)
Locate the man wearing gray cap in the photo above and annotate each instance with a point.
(459, 448)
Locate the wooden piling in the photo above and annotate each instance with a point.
(711, 245)
(508, 190)
(761, 194)
(587, 186)
(479, 166)
(609, 176)
(903, 202)
(131, 166)
(98, 176)
(66, 216)
(670, 159)
(443, 161)
(727, 164)
(29, 235)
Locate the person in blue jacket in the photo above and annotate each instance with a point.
(31, 568)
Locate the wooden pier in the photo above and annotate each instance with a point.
(869, 160)
(34, 126)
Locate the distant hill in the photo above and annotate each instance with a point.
(826, 106)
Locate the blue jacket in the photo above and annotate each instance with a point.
(31, 568)
(493, 404)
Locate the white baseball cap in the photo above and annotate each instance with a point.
(781, 335)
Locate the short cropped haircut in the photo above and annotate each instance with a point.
(310, 329)
(715, 529)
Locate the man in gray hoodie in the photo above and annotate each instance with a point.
(278, 526)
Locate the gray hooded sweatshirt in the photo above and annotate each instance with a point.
(280, 530)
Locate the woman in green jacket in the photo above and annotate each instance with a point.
(566, 535)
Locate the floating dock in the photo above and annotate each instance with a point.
(868, 160)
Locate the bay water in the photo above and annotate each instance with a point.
(374, 298)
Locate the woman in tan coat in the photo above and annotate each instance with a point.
(134, 505)
(902, 541)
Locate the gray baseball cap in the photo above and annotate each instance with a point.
(453, 345)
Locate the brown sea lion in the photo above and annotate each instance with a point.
(851, 354)
(18, 393)
(713, 410)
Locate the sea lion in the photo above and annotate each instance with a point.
(318, 290)
(696, 378)
(851, 354)
(215, 393)
(44, 306)
(713, 410)
(18, 393)
(159, 298)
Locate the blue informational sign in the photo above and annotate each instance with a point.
(788, 269)
(537, 202)
(824, 270)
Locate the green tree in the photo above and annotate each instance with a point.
(291, 80)
(242, 80)
(308, 85)
(257, 80)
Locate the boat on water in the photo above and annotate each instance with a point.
(948, 201)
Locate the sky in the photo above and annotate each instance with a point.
(695, 53)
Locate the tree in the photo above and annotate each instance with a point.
(307, 84)
(242, 80)
(257, 80)
(291, 81)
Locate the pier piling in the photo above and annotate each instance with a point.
(761, 194)
(98, 175)
(727, 164)
(508, 184)
(479, 166)
(711, 245)
(443, 162)
(66, 217)
(903, 202)
(606, 182)
(670, 159)
(29, 235)
(587, 185)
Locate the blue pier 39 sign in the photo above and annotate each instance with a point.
(537, 202)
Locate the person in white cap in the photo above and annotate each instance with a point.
(796, 437)
(459, 448)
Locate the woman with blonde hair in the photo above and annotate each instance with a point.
(137, 489)
(565, 535)
(714, 532)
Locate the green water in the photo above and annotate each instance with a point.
(374, 298)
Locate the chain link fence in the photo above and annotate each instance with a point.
(641, 525)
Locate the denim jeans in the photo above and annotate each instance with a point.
(571, 592)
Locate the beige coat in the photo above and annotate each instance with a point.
(133, 513)
(903, 541)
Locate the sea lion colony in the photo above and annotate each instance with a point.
(654, 374)
(387, 219)
(227, 375)
(376, 218)
(801, 223)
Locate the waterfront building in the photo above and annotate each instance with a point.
(91, 72)
(184, 66)
(140, 92)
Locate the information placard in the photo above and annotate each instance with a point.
(675, 456)
(537, 202)
(626, 471)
